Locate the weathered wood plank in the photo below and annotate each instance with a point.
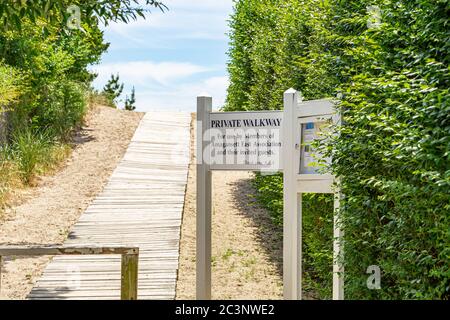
(140, 206)
(42, 250)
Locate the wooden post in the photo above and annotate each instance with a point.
(338, 237)
(130, 259)
(129, 277)
(1, 263)
(292, 218)
(338, 268)
(204, 202)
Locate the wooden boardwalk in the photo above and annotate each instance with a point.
(142, 206)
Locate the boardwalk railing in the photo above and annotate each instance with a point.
(130, 258)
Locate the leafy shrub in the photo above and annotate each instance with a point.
(63, 110)
(45, 79)
(392, 153)
(273, 45)
(54, 68)
(10, 85)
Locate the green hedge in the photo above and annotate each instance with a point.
(274, 47)
(393, 151)
(393, 156)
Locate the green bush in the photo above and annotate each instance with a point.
(54, 69)
(63, 110)
(45, 78)
(276, 45)
(273, 44)
(392, 153)
(10, 86)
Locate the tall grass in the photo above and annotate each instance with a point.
(99, 98)
(9, 175)
(30, 149)
(29, 155)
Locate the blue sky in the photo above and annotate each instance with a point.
(171, 57)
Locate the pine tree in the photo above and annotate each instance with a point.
(113, 89)
(130, 103)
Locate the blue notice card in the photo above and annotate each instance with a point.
(310, 126)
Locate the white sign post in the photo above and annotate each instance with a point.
(204, 201)
(306, 119)
(264, 141)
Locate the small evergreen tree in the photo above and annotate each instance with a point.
(130, 104)
(113, 89)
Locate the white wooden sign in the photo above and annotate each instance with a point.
(244, 141)
(272, 141)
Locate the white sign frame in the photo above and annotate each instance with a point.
(295, 184)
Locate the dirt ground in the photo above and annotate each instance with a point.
(246, 246)
(48, 211)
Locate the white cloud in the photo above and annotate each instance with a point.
(175, 35)
(147, 73)
(200, 19)
(214, 87)
(183, 97)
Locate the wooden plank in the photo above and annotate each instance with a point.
(38, 250)
(141, 206)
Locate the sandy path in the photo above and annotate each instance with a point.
(247, 248)
(56, 204)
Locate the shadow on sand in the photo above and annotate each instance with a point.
(269, 236)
